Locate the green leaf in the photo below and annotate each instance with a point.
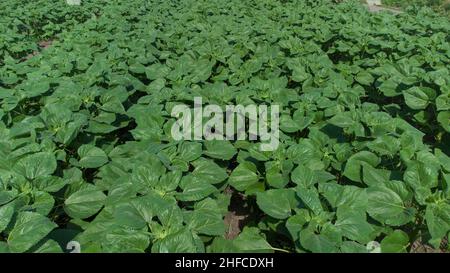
(194, 189)
(338, 195)
(387, 206)
(343, 120)
(29, 229)
(288, 125)
(222, 245)
(36, 165)
(91, 156)
(354, 165)
(50, 246)
(389, 88)
(353, 247)
(220, 149)
(277, 176)
(276, 202)
(156, 71)
(365, 78)
(36, 88)
(310, 198)
(7, 196)
(126, 241)
(437, 217)
(250, 240)
(50, 183)
(373, 176)
(6, 214)
(243, 176)
(421, 175)
(190, 151)
(43, 202)
(303, 176)
(84, 203)
(4, 248)
(208, 171)
(354, 225)
(416, 98)
(179, 242)
(127, 214)
(156, 86)
(316, 243)
(444, 120)
(396, 242)
(444, 160)
(295, 224)
(443, 102)
(207, 219)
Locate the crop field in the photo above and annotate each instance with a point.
(89, 162)
(441, 6)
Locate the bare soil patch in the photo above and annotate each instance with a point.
(238, 215)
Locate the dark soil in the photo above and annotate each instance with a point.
(42, 45)
(420, 247)
(238, 214)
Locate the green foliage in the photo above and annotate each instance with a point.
(86, 151)
(442, 6)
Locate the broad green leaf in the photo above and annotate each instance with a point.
(310, 197)
(353, 247)
(373, 176)
(50, 246)
(35, 89)
(443, 102)
(43, 202)
(343, 120)
(127, 214)
(49, 183)
(354, 165)
(36, 165)
(396, 242)
(444, 120)
(208, 171)
(437, 218)
(364, 78)
(194, 189)
(29, 229)
(6, 214)
(222, 245)
(190, 151)
(126, 241)
(179, 242)
(275, 202)
(4, 248)
(444, 159)
(339, 195)
(316, 243)
(156, 86)
(303, 176)
(416, 98)
(250, 240)
(243, 176)
(84, 203)
(387, 206)
(389, 88)
(206, 218)
(220, 149)
(277, 174)
(91, 156)
(354, 225)
(295, 224)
